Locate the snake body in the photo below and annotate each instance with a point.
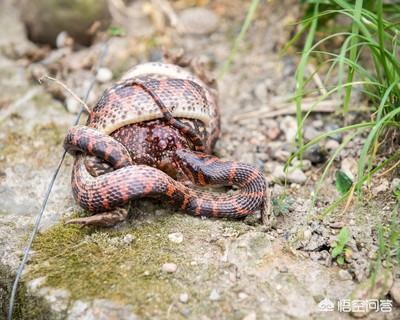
(156, 126)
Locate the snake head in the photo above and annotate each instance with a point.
(195, 165)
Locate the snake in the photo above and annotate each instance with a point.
(151, 135)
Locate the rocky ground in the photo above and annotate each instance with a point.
(166, 265)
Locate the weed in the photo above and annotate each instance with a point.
(339, 247)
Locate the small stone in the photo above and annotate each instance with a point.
(310, 133)
(260, 92)
(243, 295)
(273, 133)
(314, 154)
(307, 234)
(146, 273)
(349, 167)
(345, 275)
(332, 145)
(395, 185)
(104, 75)
(184, 297)
(297, 176)
(281, 155)
(250, 316)
(214, 295)
(283, 269)
(278, 173)
(73, 105)
(175, 237)
(289, 126)
(395, 291)
(169, 267)
(128, 238)
(200, 21)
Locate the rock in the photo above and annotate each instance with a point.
(104, 75)
(214, 295)
(128, 238)
(175, 237)
(250, 316)
(314, 154)
(46, 19)
(381, 187)
(297, 176)
(242, 295)
(307, 234)
(332, 145)
(310, 133)
(278, 173)
(199, 21)
(100, 309)
(305, 165)
(395, 291)
(349, 167)
(73, 105)
(184, 297)
(395, 185)
(281, 155)
(344, 275)
(289, 126)
(260, 91)
(169, 267)
(369, 290)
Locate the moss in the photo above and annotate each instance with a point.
(26, 305)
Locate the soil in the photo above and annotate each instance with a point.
(162, 264)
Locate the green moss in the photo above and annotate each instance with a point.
(98, 263)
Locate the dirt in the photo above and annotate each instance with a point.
(225, 269)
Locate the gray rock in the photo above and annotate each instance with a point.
(297, 176)
(310, 133)
(315, 154)
(199, 21)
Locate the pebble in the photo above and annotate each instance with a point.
(175, 237)
(314, 154)
(395, 291)
(199, 21)
(349, 167)
(395, 184)
(289, 126)
(214, 295)
(169, 267)
(310, 133)
(184, 297)
(345, 275)
(104, 75)
(307, 234)
(73, 106)
(243, 295)
(332, 145)
(128, 238)
(297, 176)
(278, 173)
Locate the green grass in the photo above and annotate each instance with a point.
(367, 60)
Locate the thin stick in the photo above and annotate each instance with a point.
(388, 170)
(46, 198)
(349, 198)
(67, 89)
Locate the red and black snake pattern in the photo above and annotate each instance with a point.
(143, 159)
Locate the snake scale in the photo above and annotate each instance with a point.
(151, 136)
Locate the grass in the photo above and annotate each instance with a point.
(367, 60)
